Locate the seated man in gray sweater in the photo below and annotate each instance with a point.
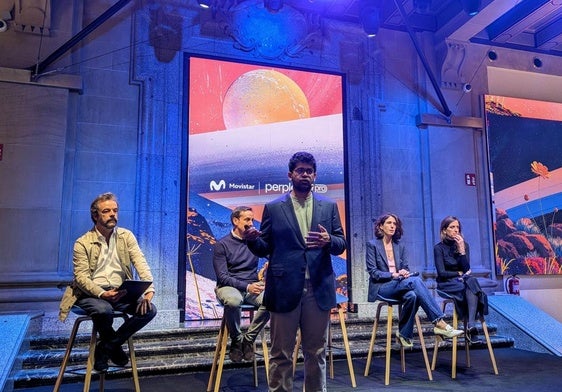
(238, 283)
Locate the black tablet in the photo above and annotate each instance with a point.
(135, 288)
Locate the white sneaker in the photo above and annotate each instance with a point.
(447, 332)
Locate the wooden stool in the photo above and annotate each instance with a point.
(449, 300)
(220, 353)
(389, 303)
(90, 363)
(341, 314)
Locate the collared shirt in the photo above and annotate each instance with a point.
(109, 272)
(303, 211)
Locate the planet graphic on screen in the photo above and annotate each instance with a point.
(263, 97)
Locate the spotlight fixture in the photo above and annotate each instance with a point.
(273, 5)
(205, 3)
(471, 7)
(370, 19)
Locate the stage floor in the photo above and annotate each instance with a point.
(518, 370)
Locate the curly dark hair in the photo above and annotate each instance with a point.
(302, 157)
(380, 221)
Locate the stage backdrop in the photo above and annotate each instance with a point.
(245, 121)
(525, 156)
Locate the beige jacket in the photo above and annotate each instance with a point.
(85, 258)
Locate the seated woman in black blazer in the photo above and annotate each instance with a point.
(390, 277)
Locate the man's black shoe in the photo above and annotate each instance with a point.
(117, 355)
(236, 354)
(100, 358)
(248, 349)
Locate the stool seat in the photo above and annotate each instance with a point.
(82, 317)
(390, 303)
(220, 352)
(448, 299)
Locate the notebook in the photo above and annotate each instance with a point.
(135, 288)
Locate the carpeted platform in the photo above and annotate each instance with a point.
(518, 370)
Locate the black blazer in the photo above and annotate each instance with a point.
(282, 242)
(377, 265)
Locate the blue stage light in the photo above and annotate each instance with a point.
(205, 3)
(471, 7)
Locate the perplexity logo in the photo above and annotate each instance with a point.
(284, 188)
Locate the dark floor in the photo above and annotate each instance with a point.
(518, 371)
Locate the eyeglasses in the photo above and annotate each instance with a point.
(301, 170)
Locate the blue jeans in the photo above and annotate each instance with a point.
(412, 293)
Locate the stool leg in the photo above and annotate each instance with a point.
(221, 358)
(66, 357)
(373, 338)
(255, 366)
(329, 349)
(466, 344)
(438, 340)
(346, 345)
(134, 364)
(296, 351)
(255, 360)
(489, 344)
(102, 382)
(265, 355)
(454, 357)
(424, 350)
(388, 346)
(90, 365)
(218, 351)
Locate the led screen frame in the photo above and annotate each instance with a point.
(524, 142)
(242, 123)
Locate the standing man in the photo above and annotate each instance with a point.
(237, 283)
(103, 260)
(299, 230)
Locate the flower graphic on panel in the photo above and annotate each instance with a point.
(540, 170)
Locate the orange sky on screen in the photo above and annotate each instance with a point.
(530, 108)
(210, 79)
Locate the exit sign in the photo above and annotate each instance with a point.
(470, 179)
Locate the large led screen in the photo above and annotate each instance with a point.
(525, 145)
(245, 121)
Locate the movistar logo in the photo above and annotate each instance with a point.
(214, 186)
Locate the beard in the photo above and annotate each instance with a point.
(302, 186)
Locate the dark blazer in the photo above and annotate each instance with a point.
(377, 265)
(282, 242)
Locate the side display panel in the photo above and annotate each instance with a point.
(524, 144)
